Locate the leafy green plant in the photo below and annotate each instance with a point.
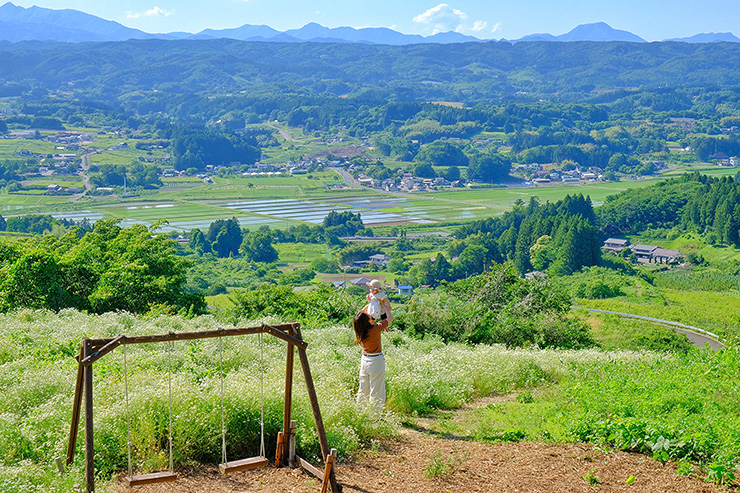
(525, 397)
(440, 467)
(591, 478)
(720, 473)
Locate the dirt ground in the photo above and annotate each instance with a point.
(457, 466)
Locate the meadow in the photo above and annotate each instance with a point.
(625, 399)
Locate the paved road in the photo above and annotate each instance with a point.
(698, 337)
(85, 177)
(285, 134)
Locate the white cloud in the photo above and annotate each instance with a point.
(442, 14)
(444, 18)
(479, 26)
(153, 12)
(497, 27)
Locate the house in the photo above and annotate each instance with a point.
(665, 256)
(615, 245)
(405, 290)
(380, 259)
(360, 281)
(643, 251)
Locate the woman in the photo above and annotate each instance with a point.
(372, 363)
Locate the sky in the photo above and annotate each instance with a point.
(653, 20)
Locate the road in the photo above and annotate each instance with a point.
(85, 165)
(285, 134)
(698, 337)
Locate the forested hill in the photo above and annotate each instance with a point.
(692, 202)
(467, 72)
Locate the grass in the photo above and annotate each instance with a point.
(713, 311)
(38, 370)
(670, 407)
(8, 147)
(299, 253)
(613, 332)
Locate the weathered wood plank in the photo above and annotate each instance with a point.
(151, 478)
(243, 464)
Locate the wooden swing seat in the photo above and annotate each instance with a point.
(243, 464)
(151, 478)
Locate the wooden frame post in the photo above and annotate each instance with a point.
(287, 404)
(320, 430)
(76, 406)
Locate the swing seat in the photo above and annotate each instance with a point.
(151, 478)
(243, 464)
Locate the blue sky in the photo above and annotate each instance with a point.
(490, 19)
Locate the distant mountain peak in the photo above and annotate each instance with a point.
(709, 38)
(596, 31)
(599, 31)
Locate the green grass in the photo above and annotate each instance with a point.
(613, 333)
(300, 253)
(61, 180)
(8, 147)
(712, 311)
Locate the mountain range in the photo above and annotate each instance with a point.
(73, 26)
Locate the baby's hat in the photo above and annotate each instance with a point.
(375, 284)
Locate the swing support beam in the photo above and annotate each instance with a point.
(92, 350)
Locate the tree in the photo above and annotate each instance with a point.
(109, 268)
(471, 261)
(225, 237)
(257, 246)
(452, 173)
(441, 153)
(198, 242)
(489, 168)
(33, 281)
(541, 253)
(142, 270)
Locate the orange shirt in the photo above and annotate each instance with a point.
(371, 344)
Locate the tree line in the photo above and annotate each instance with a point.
(107, 269)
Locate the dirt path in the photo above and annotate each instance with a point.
(418, 462)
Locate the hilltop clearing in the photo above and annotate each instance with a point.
(419, 461)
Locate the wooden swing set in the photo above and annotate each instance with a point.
(92, 350)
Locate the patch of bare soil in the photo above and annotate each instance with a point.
(419, 463)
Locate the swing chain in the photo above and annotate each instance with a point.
(128, 417)
(169, 378)
(223, 412)
(262, 397)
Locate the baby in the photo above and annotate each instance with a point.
(376, 299)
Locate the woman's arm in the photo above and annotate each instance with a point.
(387, 311)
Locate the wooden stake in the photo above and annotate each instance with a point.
(279, 449)
(291, 445)
(327, 469)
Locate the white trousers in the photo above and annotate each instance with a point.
(372, 380)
